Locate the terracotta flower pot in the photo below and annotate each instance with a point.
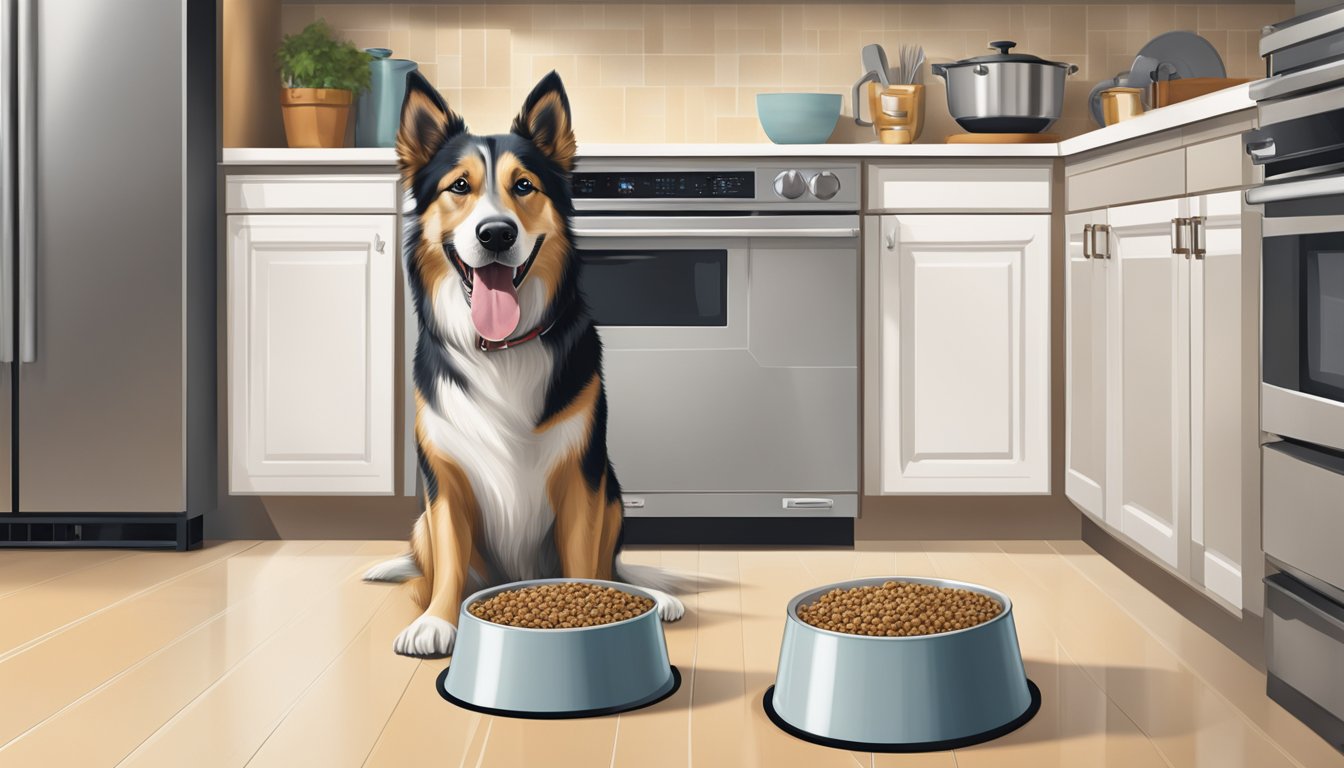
(315, 117)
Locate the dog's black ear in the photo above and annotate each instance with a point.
(426, 123)
(546, 123)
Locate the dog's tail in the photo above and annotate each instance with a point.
(662, 579)
(395, 571)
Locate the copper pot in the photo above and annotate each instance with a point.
(315, 117)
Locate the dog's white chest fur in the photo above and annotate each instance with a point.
(489, 430)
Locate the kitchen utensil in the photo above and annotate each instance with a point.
(875, 60)
(798, 118)
(1121, 104)
(912, 64)
(1005, 92)
(1173, 56)
(1168, 92)
(900, 693)
(898, 112)
(378, 111)
(558, 672)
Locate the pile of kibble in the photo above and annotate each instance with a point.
(560, 606)
(899, 609)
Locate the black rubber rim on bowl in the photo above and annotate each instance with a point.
(571, 715)
(920, 746)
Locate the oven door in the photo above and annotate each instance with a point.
(1302, 395)
(730, 351)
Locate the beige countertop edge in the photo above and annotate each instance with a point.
(1213, 105)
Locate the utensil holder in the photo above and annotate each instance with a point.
(898, 112)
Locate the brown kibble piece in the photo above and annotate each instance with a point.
(562, 605)
(899, 609)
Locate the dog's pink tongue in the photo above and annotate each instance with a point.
(494, 302)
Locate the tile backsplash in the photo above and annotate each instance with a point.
(690, 73)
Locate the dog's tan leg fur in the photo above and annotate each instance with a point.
(581, 523)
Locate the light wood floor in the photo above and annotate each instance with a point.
(275, 654)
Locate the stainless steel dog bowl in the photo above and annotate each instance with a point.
(901, 693)
(555, 673)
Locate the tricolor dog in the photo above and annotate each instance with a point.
(511, 414)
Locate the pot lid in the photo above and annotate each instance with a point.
(1002, 46)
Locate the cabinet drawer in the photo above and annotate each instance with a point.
(1304, 509)
(1150, 178)
(946, 188)
(311, 193)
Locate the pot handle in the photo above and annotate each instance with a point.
(1071, 69)
(858, 110)
(939, 69)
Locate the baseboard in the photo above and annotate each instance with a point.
(1222, 577)
(90, 531)
(767, 531)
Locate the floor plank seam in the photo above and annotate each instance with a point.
(127, 598)
(243, 660)
(1157, 638)
(63, 574)
(327, 667)
(374, 746)
(1156, 748)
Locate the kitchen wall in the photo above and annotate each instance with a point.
(690, 73)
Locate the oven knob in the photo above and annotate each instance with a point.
(790, 184)
(824, 185)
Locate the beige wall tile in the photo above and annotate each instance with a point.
(760, 69)
(473, 58)
(672, 69)
(1068, 29)
(622, 69)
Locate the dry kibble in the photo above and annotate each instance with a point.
(563, 605)
(899, 609)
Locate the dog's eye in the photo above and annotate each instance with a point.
(460, 187)
(522, 187)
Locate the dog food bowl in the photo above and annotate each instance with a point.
(901, 694)
(558, 673)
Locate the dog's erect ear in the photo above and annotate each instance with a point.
(546, 123)
(426, 123)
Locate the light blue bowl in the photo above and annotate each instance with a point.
(798, 118)
(891, 693)
(558, 672)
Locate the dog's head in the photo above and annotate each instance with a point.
(488, 246)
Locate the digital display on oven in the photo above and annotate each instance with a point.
(665, 184)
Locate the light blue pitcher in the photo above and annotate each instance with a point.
(378, 111)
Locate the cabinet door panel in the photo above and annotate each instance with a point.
(1218, 498)
(311, 353)
(1147, 320)
(1085, 368)
(964, 353)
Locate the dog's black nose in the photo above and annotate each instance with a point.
(497, 234)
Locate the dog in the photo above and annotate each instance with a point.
(511, 409)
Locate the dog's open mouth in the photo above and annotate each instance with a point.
(492, 293)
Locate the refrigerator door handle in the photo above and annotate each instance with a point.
(26, 50)
(6, 190)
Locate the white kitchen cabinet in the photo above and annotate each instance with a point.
(311, 353)
(958, 354)
(1085, 374)
(1161, 383)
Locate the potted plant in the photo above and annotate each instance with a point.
(321, 76)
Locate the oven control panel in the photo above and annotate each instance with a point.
(648, 185)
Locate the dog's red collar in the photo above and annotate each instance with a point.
(485, 345)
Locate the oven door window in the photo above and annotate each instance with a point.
(667, 288)
(1304, 313)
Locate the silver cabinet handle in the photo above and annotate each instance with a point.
(632, 502)
(725, 232)
(891, 240)
(808, 503)
(6, 196)
(378, 242)
(1177, 244)
(27, 192)
(1104, 231)
(1262, 150)
(1197, 236)
(1089, 241)
(1295, 190)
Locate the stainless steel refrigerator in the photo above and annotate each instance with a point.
(107, 272)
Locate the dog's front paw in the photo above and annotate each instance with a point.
(428, 637)
(669, 608)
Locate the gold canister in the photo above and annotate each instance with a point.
(898, 112)
(1120, 104)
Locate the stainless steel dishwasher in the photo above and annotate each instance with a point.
(726, 296)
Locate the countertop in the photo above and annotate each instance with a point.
(1212, 105)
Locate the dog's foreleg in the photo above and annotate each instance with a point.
(578, 523)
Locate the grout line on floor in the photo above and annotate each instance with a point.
(391, 712)
(1255, 726)
(242, 660)
(1059, 647)
(335, 658)
(134, 595)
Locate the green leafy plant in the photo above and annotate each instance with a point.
(314, 58)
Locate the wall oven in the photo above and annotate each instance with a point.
(729, 321)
